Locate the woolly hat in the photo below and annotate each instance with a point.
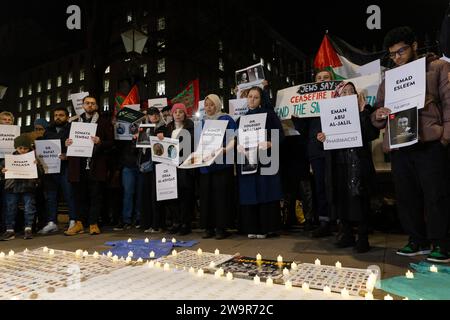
(22, 141)
(179, 106)
(41, 122)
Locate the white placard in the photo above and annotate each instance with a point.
(340, 123)
(370, 68)
(48, 151)
(159, 103)
(21, 166)
(405, 86)
(7, 135)
(249, 77)
(403, 128)
(166, 182)
(165, 151)
(143, 140)
(82, 145)
(252, 130)
(77, 102)
(135, 107)
(238, 108)
(201, 110)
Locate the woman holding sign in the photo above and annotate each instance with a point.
(352, 176)
(217, 180)
(260, 191)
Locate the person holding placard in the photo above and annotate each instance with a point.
(16, 189)
(217, 180)
(181, 209)
(88, 174)
(352, 174)
(419, 171)
(6, 118)
(260, 195)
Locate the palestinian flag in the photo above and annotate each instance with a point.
(342, 59)
(189, 97)
(121, 100)
(118, 101)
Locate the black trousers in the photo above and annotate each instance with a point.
(181, 210)
(318, 167)
(261, 218)
(88, 195)
(420, 179)
(152, 214)
(2, 211)
(217, 199)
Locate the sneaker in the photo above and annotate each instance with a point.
(72, 224)
(151, 230)
(261, 236)
(412, 249)
(8, 235)
(28, 234)
(94, 230)
(252, 236)
(438, 255)
(76, 229)
(49, 228)
(122, 226)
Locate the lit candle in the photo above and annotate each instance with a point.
(163, 240)
(338, 265)
(25, 251)
(257, 280)
(305, 287)
(327, 290)
(280, 259)
(433, 268)
(317, 262)
(166, 267)
(115, 259)
(191, 270)
(345, 294)
(85, 253)
(269, 282)
(288, 285)
(146, 240)
(174, 240)
(128, 260)
(286, 271)
(2, 254)
(121, 259)
(388, 297)
(152, 254)
(294, 266)
(229, 276)
(217, 252)
(409, 275)
(109, 254)
(151, 264)
(11, 253)
(140, 260)
(158, 264)
(199, 252)
(258, 257)
(95, 255)
(369, 296)
(79, 253)
(200, 273)
(130, 254)
(45, 249)
(222, 272)
(129, 240)
(370, 285)
(174, 252)
(51, 252)
(212, 264)
(405, 298)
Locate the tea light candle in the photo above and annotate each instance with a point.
(317, 262)
(11, 253)
(166, 267)
(222, 272)
(327, 290)
(115, 259)
(163, 240)
(199, 252)
(152, 254)
(286, 271)
(288, 285)
(158, 265)
(305, 287)
(151, 264)
(200, 272)
(85, 253)
(174, 240)
(338, 265)
(174, 253)
(433, 268)
(121, 259)
(26, 250)
(79, 253)
(128, 260)
(130, 254)
(280, 259)
(269, 282)
(146, 240)
(217, 252)
(294, 266)
(345, 294)
(217, 274)
(409, 275)
(45, 249)
(109, 255)
(388, 297)
(257, 280)
(258, 257)
(51, 252)
(229, 276)
(368, 296)
(191, 270)
(212, 264)
(95, 255)
(140, 260)
(405, 298)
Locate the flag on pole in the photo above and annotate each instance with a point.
(189, 97)
(121, 100)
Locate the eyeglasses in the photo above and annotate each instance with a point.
(400, 52)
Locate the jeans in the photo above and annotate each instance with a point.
(12, 201)
(51, 195)
(130, 188)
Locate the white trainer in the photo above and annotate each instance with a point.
(71, 224)
(50, 227)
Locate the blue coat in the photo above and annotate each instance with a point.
(256, 188)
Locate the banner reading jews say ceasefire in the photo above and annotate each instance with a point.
(7, 135)
(304, 101)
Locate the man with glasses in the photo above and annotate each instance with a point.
(87, 175)
(419, 171)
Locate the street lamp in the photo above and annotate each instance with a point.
(134, 41)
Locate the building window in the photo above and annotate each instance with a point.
(39, 87)
(38, 103)
(269, 66)
(129, 17)
(81, 89)
(59, 81)
(161, 88)
(29, 105)
(220, 46)
(30, 90)
(161, 65)
(28, 121)
(48, 101)
(221, 68)
(38, 116)
(21, 93)
(47, 116)
(58, 97)
(81, 74)
(105, 104)
(220, 83)
(19, 121)
(49, 84)
(69, 92)
(107, 70)
(70, 78)
(20, 107)
(262, 61)
(144, 68)
(106, 85)
(161, 24)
